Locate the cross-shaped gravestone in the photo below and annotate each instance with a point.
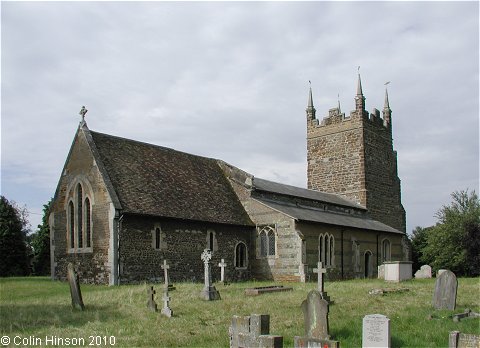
(166, 299)
(206, 257)
(209, 292)
(321, 281)
(165, 268)
(151, 300)
(222, 266)
(320, 272)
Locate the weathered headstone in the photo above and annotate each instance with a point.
(321, 282)
(445, 294)
(209, 291)
(376, 331)
(165, 268)
(166, 310)
(457, 339)
(222, 266)
(315, 312)
(253, 331)
(440, 271)
(151, 300)
(76, 294)
(424, 272)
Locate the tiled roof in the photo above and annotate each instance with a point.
(159, 181)
(293, 191)
(312, 214)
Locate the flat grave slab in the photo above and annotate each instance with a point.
(266, 289)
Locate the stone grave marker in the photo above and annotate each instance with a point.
(76, 294)
(445, 294)
(266, 289)
(315, 312)
(381, 272)
(376, 331)
(209, 291)
(253, 331)
(424, 272)
(468, 314)
(151, 299)
(165, 268)
(222, 266)
(456, 339)
(321, 281)
(166, 310)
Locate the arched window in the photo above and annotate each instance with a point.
(210, 241)
(88, 226)
(241, 255)
(386, 252)
(71, 215)
(331, 244)
(266, 239)
(326, 249)
(157, 238)
(263, 243)
(271, 243)
(79, 216)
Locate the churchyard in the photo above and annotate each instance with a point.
(33, 308)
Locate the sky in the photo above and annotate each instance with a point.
(229, 80)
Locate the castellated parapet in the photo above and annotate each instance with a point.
(353, 156)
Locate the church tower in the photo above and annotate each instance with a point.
(353, 156)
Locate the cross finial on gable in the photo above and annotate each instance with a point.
(82, 113)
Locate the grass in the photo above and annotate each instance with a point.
(38, 307)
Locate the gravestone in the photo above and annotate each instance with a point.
(209, 291)
(468, 314)
(445, 294)
(76, 294)
(253, 331)
(321, 282)
(457, 339)
(166, 310)
(440, 271)
(151, 300)
(222, 266)
(376, 331)
(424, 272)
(266, 289)
(315, 313)
(165, 268)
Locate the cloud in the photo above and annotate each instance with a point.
(229, 80)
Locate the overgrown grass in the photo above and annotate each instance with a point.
(38, 307)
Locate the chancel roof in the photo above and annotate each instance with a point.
(158, 181)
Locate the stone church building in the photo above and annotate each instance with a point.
(122, 206)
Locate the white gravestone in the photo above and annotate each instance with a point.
(376, 331)
(222, 266)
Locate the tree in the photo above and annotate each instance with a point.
(418, 241)
(453, 243)
(14, 256)
(40, 243)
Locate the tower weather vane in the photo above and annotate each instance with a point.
(82, 112)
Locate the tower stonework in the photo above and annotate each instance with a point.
(353, 156)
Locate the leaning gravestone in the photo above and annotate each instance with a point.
(209, 291)
(376, 331)
(445, 294)
(315, 312)
(151, 300)
(253, 331)
(424, 272)
(77, 301)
